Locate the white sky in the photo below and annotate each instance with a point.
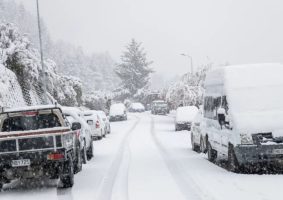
(237, 31)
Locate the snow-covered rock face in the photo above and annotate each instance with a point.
(11, 93)
(22, 64)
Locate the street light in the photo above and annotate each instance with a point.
(190, 57)
(41, 56)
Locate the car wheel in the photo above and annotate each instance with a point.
(194, 146)
(79, 161)
(233, 164)
(90, 152)
(211, 153)
(67, 177)
(84, 155)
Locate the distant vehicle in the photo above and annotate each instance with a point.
(74, 115)
(184, 117)
(159, 107)
(243, 115)
(96, 124)
(136, 107)
(118, 112)
(197, 135)
(36, 141)
(105, 120)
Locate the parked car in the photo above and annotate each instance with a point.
(136, 107)
(96, 124)
(159, 107)
(105, 120)
(243, 115)
(118, 112)
(184, 117)
(36, 141)
(74, 115)
(197, 135)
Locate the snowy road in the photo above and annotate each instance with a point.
(144, 158)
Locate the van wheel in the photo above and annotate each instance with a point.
(233, 164)
(211, 153)
(194, 146)
(67, 177)
(203, 149)
(90, 152)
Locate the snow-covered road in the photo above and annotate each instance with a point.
(144, 158)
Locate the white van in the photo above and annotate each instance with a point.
(243, 115)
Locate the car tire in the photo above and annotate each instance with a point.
(84, 155)
(1, 186)
(67, 177)
(233, 164)
(194, 146)
(211, 153)
(90, 152)
(79, 162)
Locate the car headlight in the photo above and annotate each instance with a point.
(246, 139)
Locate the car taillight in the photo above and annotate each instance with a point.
(97, 125)
(55, 156)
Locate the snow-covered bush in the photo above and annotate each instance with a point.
(95, 100)
(187, 91)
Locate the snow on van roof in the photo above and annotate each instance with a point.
(254, 93)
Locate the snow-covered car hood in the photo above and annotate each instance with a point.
(186, 114)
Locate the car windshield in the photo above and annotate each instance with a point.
(27, 122)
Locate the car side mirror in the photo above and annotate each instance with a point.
(90, 122)
(76, 126)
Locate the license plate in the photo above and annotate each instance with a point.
(278, 151)
(21, 163)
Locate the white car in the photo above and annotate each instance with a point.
(96, 123)
(136, 107)
(184, 117)
(74, 115)
(105, 120)
(117, 112)
(197, 135)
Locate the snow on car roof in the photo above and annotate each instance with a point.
(28, 108)
(137, 105)
(186, 113)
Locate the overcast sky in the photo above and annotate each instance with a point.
(237, 31)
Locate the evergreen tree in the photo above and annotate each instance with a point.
(134, 71)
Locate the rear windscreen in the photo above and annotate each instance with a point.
(34, 122)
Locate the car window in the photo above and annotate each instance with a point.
(24, 123)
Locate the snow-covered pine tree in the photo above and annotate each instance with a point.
(134, 71)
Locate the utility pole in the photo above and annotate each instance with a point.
(41, 57)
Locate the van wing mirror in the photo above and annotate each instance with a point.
(76, 126)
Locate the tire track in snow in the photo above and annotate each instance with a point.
(108, 182)
(186, 184)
